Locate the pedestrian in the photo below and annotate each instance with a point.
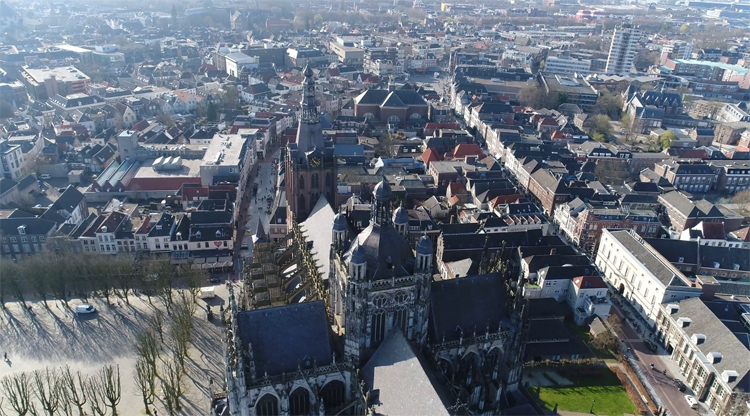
(5, 356)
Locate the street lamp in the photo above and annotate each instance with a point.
(592, 406)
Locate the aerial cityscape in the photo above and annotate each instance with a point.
(410, 207)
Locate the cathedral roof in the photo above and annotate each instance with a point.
(424, 245)
(339, 222)
(398, 374)
(387, 252)
(382, 190)
(467, 304)
(286, 337)
(317, 228)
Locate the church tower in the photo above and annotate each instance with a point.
(378, 283)
(310, 169)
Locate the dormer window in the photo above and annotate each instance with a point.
(681, 260)
(729, 376)
(714, 357)
(218, 233)
(197, 234)
(179, 235)
(22, 229)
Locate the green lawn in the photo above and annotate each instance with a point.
(611, 398)
(583, 333)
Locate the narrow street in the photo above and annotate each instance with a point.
(672, 399)
(264, 174)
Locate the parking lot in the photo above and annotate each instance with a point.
(56, 337)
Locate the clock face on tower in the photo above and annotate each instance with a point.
(315, 162)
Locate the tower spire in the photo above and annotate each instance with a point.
(309, 102)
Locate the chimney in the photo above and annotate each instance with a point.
(453, 219)
(709, 286)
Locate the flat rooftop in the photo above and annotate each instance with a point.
(64, 73)
(225, 149)
(568, 84)
(190, 168)
(736, 68)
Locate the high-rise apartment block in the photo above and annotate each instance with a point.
(623, 49)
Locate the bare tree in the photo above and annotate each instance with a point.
(194, 278)
(12, 276)
(164, 270)
(47, 389)
(124, 275)
(75, 388)
(611, 172)
(147, 347)
(145, 379)
(110, 381)
(742, 199)
(95, 393)
(16, 388)
(181, 328)
(172, 385)
(38, 271)
(157, 322)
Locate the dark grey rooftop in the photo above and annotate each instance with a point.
(648, 258)
(469, 303)
(402, 385)
(286, 338)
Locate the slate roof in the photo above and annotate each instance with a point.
(379, 97)
(393, 101)
(686, 207)
(6, 185)
(727, 257)
(673, 250)
(68, 201)
(547, 308)
(661, 271)
(735, 356)
(546, 330)
(402, 384)
(34, 226)
(317, 228)
(286, 338)
(468, 303)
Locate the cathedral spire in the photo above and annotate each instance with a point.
(309, 102)
(381, 206)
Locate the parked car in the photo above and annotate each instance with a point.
(84, 309)
(680, 385)
(45, 176)
(215, 279)
(690, 399)
(651, 346)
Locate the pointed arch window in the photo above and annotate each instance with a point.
(328, 179)
(314, 182)
(301, 182)
(268, 405)
(299, 402)
(378, 326)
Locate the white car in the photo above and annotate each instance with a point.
(691, 401)
(84, 309)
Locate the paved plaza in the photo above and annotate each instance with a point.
(55, 337)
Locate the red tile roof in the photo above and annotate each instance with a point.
(589, 282)
(557, 134)
(457, 188)
(430, 155)
(467, 149)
